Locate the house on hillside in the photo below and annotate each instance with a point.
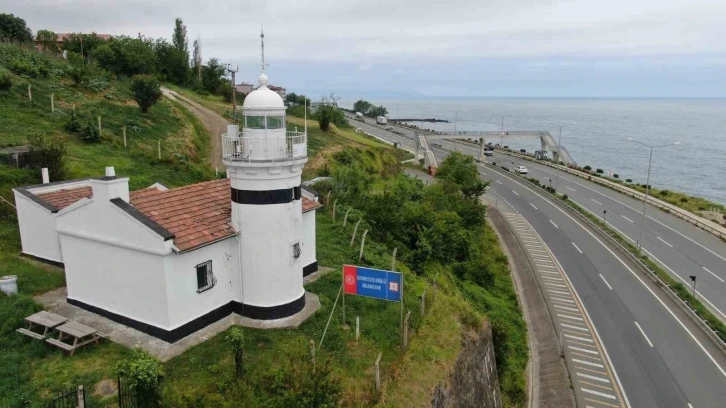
(168, 262)
(62, 36)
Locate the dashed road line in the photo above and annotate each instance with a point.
(606, 282)
(594, 378)
(570, 188)
(516, 193)
(664, 241)
(599, 394)
(644, 335)
(716, 276)
(554, 224)
(578, 249)
(596, 202)
(631, 221)
(588, 363)
(533, 206)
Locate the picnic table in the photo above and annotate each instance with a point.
(41, 324)
(78, 333)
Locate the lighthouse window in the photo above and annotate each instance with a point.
(296, 252)
(255, 122)
(205, 277)
(275, 122)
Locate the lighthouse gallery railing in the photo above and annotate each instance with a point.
(264, 148)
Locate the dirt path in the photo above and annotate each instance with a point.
(215, 124)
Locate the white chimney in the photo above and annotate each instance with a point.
(44, 174)
(110, 187)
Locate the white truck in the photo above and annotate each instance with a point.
(359, 116)
(381, 120)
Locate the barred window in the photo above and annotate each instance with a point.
(205, 277)
(296, 252)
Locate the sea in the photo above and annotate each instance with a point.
(596, 130)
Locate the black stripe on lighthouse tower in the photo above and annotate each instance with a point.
(264, 197)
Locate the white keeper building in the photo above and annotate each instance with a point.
(171, 261)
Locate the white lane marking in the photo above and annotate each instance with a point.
(689, 405)
(592, 377)
(559, 292)
(533, 206)
(578, 249)
(606, 282)
(567, 308)
(536, 250)
(582, 349)
(644, 335)
(498, 181)
(631, 221)
(570, 188)
(576, 328)
(554, 224)
(555, 285)
(706, 269)
(664, 241)
(598, 393)
(554, 299)
(596, 202)
(579, 338)
(549, 278)
(588, 363)
(516, 193)
(483, 174)
(662, 303)
(570, 317)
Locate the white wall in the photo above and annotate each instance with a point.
(124, 281)
(308, 249)
(37, 229)
(185, 304)
(270, 276)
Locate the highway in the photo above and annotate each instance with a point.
(659, 355)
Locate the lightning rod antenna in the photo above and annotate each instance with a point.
(262, 38)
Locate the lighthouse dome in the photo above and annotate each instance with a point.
(263, 97)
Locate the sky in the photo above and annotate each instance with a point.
(409, 49)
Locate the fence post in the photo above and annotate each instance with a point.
(335, 204)
(405, 329)
(423, 302)
(52, 102)
(345, 219)
(357, 329)
(30, 93)
(159, 149)
(312, 353)
(378, 371)
(99, 125)
(327, 198)
(393, 263)
(355, 230)
(81, 397)
(124, 135)
(362, 244)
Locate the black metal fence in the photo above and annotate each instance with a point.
(126, 394)
(70, 399)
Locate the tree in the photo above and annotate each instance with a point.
(127, 56)
(172, 63)
(14, 29)
(377, 111)
(362, 106)
(180, 55)
(82, 44)
(213, 75)
(49, 152)
(144, 375)
(146, 91)
(460, 170)
(291, 97)
(236, 338)
(197, 59)
(179, 38)
(47, 40)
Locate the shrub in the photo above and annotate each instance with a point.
(144, 374)
(48, 151)
(146, 91)
(504, 168)
(73, 125)
(236, 338)
(599, 171)
(588, 168)
(616, 176)
(629, 180)
(564, 197)
(664, 192)
(5, 81)
(300, 384)
(701, 208)
(684, 199)
(89, 133)
(23, 68)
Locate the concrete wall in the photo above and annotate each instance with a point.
(185, 304)
(308, 239)
(37, 229)
(474, 381)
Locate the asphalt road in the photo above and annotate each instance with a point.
(664, 360)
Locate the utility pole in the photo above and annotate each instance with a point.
(234, 94)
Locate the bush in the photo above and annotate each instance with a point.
(236, 338)
(629, 180)
(616, 176)
(664, 192)
(89, 133)
(701, 208)
(146, 91)
(684, 199)
(564, 197)
(73, 125)
(5, 81)
(504, 168)
(144, 374)
(599, 171)
(48, 151)
(300, 384)
(588, 168)
(23, 68)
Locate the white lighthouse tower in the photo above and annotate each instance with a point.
(265, 164)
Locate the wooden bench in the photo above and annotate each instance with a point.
(43, 321)
(78, 332)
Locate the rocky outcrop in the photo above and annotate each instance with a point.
(473, 381)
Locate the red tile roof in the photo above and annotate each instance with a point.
(65, 197)
(197, 214)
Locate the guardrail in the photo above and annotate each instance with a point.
(685, 215)
(653, 275)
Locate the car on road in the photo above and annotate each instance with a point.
(436, 145)
(521, 170)
(488, 153)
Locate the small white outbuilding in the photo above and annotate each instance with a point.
(171, 261)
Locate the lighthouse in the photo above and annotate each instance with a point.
(265, 163)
